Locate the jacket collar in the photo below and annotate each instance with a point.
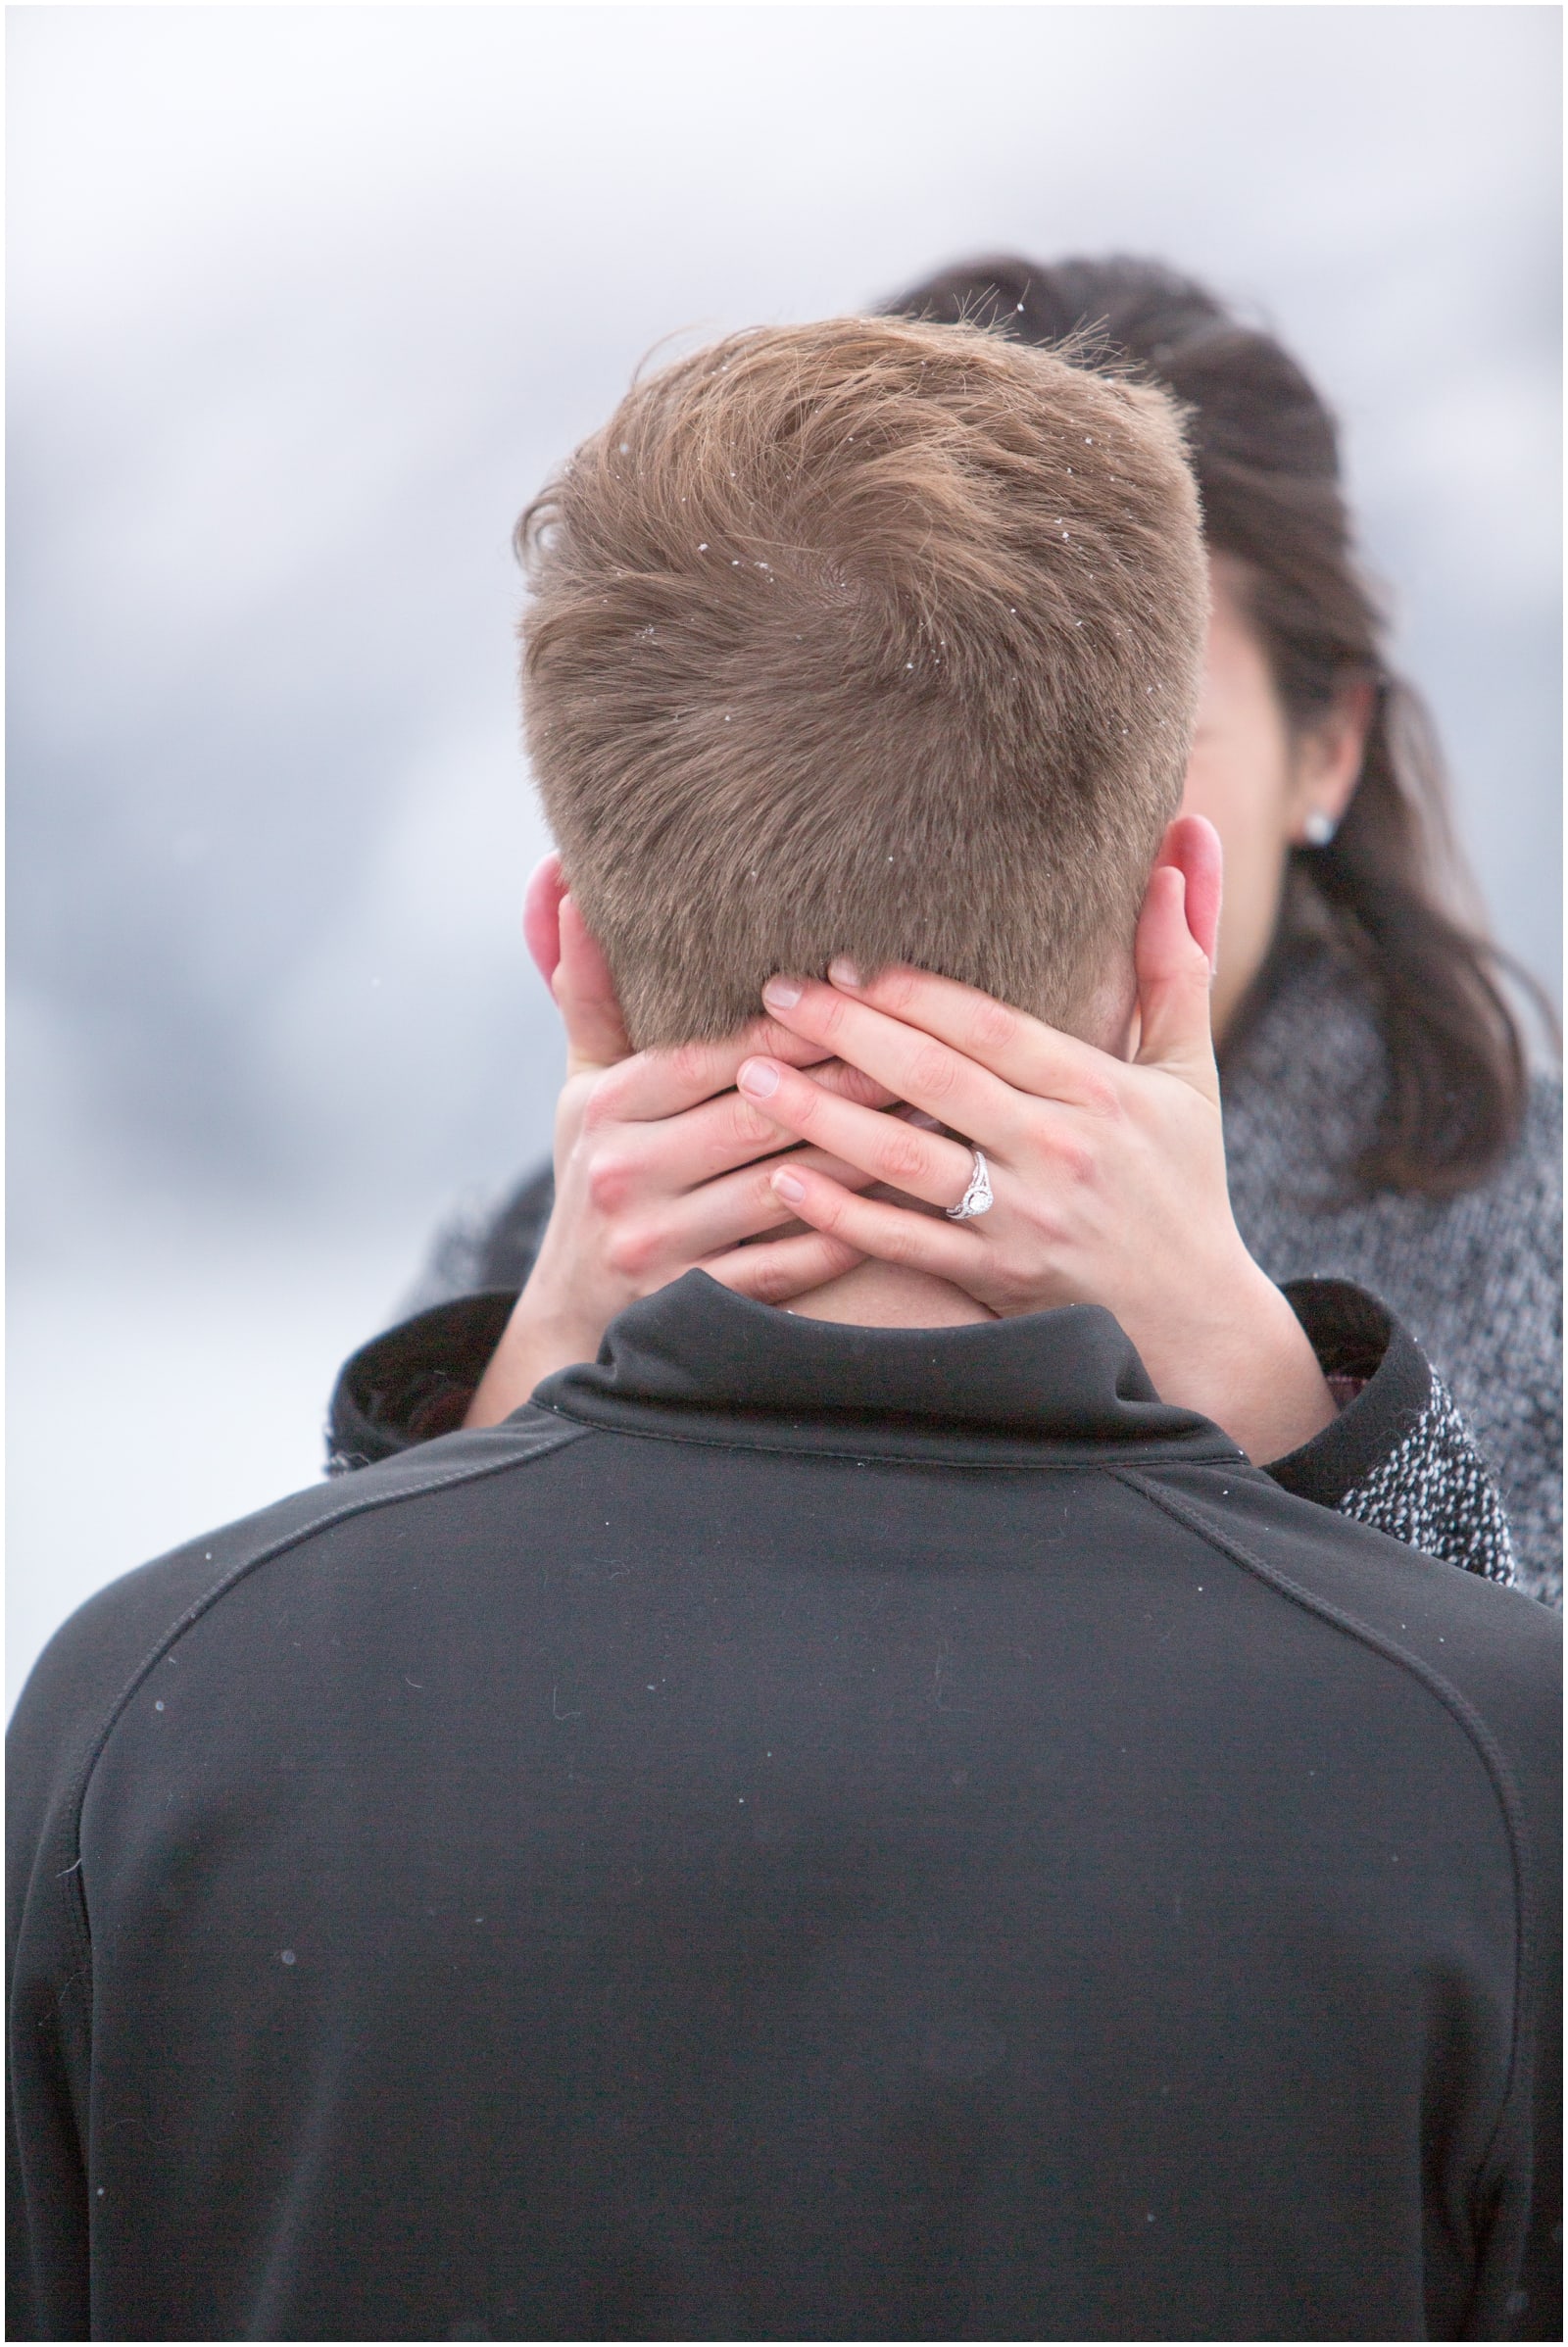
(696, 1363)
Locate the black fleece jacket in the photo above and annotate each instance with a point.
(802, 1832)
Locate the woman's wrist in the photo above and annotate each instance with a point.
(541, 1336)
(1246, 1363)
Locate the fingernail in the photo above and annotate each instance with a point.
(790, 1188)
(759, 1078)
(781, 993)
(843, 971)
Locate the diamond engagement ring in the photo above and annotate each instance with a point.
(977, 1198)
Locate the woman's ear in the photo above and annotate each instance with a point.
(1327, 763)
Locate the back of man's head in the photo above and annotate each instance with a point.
(870, 637)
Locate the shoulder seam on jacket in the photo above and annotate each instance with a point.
(1467, 1718)
(554, 1437)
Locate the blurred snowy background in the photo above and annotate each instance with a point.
(303, 305)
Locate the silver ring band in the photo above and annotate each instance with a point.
(978, 1197)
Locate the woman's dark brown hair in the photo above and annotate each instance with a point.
(1265, 451)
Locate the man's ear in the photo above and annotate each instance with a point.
(1173, 954)
(1191, 846)
(541, 914)
(569, 962)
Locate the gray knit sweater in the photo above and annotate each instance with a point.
(1477, 1279)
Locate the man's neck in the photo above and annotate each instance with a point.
(883, 1295)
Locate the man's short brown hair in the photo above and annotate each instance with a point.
(871, 638)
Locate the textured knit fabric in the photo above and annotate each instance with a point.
(1398, 1457)
(1435, 1494)
(1477, 1279)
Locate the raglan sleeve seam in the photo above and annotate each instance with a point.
(545, 1437)
(1481, 1740)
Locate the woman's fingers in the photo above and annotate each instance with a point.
(886, 1148)
(872, 1227)
(849, 1082)
(661, 1158)
(1021, 1051)
(646, 1241)
(659, 1083)
(915, 1067)
(653, 1164)
(780, 1269)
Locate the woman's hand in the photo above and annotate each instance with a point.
(661, 1165)
(1108, 1175)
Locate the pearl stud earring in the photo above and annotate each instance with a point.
(1318, 829)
